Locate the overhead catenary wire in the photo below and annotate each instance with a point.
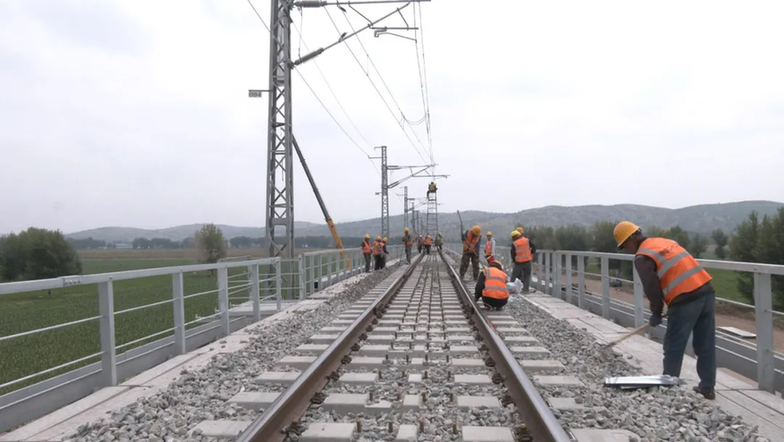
(304, 80)
(375, 87)
(423, 82)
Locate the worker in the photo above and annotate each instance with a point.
(407, 243)
(378, 253)
(428, 244)
(522, 255)
(470, 251)
(491, 286)
(420, 244)
(520, 229)
(490, 248)
(439, 241)
(671, 276)
(367, 251)
(384, 252)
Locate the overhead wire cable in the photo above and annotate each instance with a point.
(423, 83)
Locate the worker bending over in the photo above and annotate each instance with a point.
(439, 241)
(367, 251)
(490, 248)
(470, 252)
(670, 275)
(420, 243)
(407, 243)
(378, 253)
(428, 244)
(522, 255)
(384, 252)
(491, 286)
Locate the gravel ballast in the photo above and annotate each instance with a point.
(656, 414)
(203, 394)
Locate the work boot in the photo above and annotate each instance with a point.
(707, 393)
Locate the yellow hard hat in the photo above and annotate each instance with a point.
(623, 231)
(367, 236)
(477, 230)
(520, 229)
(405, 229)
(516, 233)
(378, 238)
(385, 240)
(489, 233)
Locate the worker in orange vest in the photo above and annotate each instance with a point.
(471, 251)
(522, 255)
(384, 252)
(378, 253)
(408, 242)
(428, 244)
(490, 248)
(671, 276)
(367, 251)
(491, 286)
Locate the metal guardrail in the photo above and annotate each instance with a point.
(236, 282)
(758, 360)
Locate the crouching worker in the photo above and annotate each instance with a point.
(491, 286)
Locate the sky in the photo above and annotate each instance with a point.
(136, 113)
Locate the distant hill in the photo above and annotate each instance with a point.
(700, 219)
(178, 233)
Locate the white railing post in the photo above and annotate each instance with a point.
(548, 260)
(109, 357)
(312, 281)
(302, 282)
(557, 282)
(569, 292)
(278, 282)
(223, 300)
(605, 287)
(178, 293)
(254, 292)
(320, 272)
(581, 282)
(539, 270)
(763, 308)
(639, 311)
(329, 270)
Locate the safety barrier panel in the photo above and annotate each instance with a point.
(206, 302)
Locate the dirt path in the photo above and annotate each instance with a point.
(726, 316)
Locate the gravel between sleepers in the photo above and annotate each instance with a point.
(201, 395)
(656, 414)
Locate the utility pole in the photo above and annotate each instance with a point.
(405, 206)
(384, 192)
(280, 161)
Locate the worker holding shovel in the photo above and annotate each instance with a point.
(670, 275)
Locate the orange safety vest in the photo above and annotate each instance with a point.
(677, 270)
(428, 241)
(378, 248)
(409, 242)
(495, 284)
(366, 247)
(470, 242)
(489, 248)
(523, 250)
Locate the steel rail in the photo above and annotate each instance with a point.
(271, 426)
(536, 414)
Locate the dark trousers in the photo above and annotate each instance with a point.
(427, 250)
(464, 260)
(522, 271)
(419, 248)
(379, 262)
(408, 254)
(367, 261)
(493, 302)
(698, 317)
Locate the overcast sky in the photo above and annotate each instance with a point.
(135, 113)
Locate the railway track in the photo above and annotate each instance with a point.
(414, 359)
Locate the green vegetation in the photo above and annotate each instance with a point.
(210, 243)
(36, 254)
(760, 241)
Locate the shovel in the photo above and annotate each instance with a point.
(626, 336)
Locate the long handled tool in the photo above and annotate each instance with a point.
(627, 336)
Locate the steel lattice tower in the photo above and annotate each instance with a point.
(280, 162)
(432, 214)
(384, 193)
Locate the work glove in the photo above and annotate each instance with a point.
(655, 320)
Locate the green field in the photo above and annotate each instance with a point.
(29, 311)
